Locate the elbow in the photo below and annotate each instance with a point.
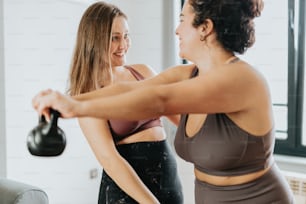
(105, 162)
(108, 161)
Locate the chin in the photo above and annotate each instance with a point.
(119, 63)
(182, 55)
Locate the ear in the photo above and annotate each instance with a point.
(206, 28)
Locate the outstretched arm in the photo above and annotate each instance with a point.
(216, 91)
(170, 75)
(229, 89)
(66, 105)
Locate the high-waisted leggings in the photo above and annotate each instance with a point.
(271, 188)
(156, 166)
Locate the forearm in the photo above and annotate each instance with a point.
(106, 102)
(107, 91)
(127, 179)
(169, 76)
(137, 104)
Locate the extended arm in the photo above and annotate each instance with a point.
(43, 100)
(170, 75)
(229, 90)
(239, 91)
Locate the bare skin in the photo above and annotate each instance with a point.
(173, 95)
(235, 89)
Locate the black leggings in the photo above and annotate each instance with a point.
(156, 166)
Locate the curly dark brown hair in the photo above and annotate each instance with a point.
(233, 20)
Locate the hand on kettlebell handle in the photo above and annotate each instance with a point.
(47, 139)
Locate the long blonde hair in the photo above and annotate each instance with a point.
(91, 67)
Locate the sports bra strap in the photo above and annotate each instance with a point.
(135, 73)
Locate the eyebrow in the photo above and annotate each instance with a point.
(181, 15)
(118, 33)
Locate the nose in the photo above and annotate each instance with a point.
(176, 31)
(123, 43)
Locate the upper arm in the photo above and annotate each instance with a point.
(99, 138)
(226, 90)
(167, 76)
(149, 72)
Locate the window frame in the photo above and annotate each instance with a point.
(296, 65)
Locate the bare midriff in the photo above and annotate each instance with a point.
(228, 180)
(149, 135)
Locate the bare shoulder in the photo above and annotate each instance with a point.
(178, 72)
(246, 78)
(144, 69)
(255, 92)
(183, 67)
(181, 72)
(243, 71)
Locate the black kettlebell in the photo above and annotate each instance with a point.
(47, 139)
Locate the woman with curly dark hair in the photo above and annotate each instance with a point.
(227, 127)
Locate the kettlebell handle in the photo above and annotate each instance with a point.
(54, 115)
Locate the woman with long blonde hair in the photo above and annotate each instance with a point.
(138, 164)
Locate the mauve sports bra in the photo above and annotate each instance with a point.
(222, 148)
(121, 129)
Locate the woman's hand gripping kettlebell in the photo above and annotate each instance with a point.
(47, 139)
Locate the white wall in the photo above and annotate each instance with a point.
(2, 104)
(39, 37)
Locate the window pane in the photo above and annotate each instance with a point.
(304, 114)
(281, 124)
(304, 98)
(270, 56)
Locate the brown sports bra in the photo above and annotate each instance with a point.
(121, 129)
(222, 148)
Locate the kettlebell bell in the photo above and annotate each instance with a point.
(47, 139)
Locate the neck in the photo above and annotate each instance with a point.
(231, 59)
(219, 59)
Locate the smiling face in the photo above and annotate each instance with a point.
(187, 33)
(120, 41)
